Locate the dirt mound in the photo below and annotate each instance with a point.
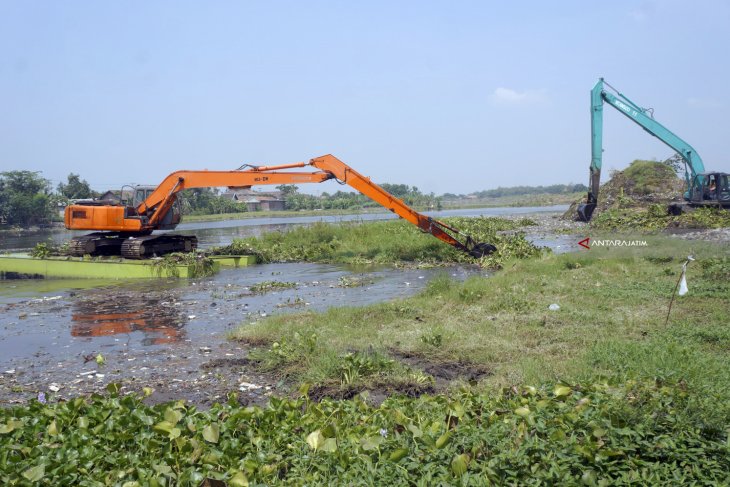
(378, 390)
(641, 184)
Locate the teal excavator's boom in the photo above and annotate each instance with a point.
(644, 118)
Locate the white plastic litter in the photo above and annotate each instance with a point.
(683, 289)
(554, 307)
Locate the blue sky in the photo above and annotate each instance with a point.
(447, 96)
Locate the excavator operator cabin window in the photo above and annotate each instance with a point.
(723, 187)
(712, 187)
(139, 197)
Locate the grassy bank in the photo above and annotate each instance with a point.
(385, 242)
(498, 331)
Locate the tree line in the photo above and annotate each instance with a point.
(524, 190)
(347, 200)
(27, 198)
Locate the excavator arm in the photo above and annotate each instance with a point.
(329, 168)
(149, 214)
(645, 119)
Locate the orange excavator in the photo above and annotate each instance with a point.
(126, 230)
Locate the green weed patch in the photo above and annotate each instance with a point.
(199, 264)
(268, 286)
(390, 242)
(597, 433)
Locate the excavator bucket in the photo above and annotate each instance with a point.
(482, 249)
(585, 211)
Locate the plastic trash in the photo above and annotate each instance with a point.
(554, 307)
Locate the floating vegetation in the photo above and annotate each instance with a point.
(44, 250)
(268, 286)
(354, 281)
(387, 242)
(198, 265)
(593, 433)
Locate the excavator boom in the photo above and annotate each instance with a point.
(132, 226)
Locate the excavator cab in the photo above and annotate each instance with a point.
(170, 220)
(710, 189)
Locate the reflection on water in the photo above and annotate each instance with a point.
(158, 319)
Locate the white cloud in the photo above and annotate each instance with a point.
(508, 96)
(696, 102)
(642, 12)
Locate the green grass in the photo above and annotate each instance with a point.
(648, 177)
(613, 303)
(386, 242)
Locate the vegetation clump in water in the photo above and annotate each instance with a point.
(44, 250)
(267, 286)
(198, 264)
(389, 242)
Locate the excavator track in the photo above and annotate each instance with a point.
(98, 243)
(157, 245)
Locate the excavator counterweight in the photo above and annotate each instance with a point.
(127, 229)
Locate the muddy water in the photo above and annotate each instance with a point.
(160, 333)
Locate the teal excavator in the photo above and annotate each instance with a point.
(702, 188)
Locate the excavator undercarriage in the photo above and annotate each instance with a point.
(135, 246)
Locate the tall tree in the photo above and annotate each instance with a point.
(75, 188)
(24, 198)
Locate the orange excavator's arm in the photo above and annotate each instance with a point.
(150, 213)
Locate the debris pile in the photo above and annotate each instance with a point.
(641, 184)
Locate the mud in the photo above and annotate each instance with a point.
(376, 392)
(443, 371)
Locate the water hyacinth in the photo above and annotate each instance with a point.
(386, 242)
(635, 432)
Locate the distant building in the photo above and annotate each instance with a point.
(116, 196)
(257, 200)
